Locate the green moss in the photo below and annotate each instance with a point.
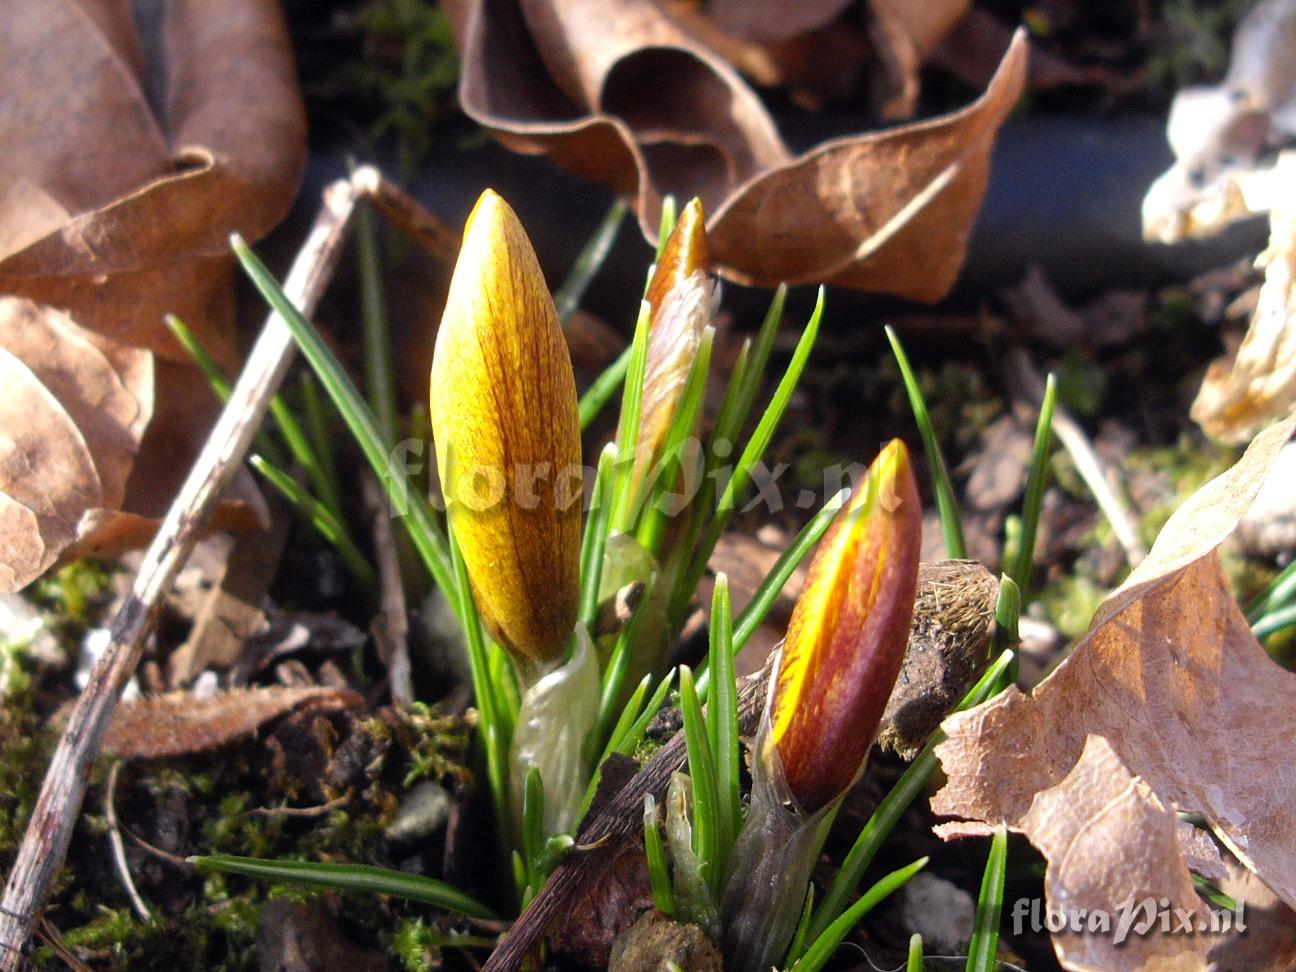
(408, 73)
(1183, 468)
(75, 594)
(1070, 603)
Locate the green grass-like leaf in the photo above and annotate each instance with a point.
(748, 373)
(350, 877)
(1007, 614)
(666, 225)
(914, 963)
(594, 540)
(321, 518)
(588, 262)
(826, 943)
(946, 504)
(495, 738)
(1279, 593)
(1275, 621)
(628, 431)
(1020, 570)
(602, 388)
(428, 539)
(755, 449)
(707, 827)
(658, 873)
(985, 931)
(894, 804)
(319, 432)
(722, 719)
(380, 370)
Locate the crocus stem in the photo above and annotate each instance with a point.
(770, 869)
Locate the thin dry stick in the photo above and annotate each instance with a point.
(390, 629)
(119, 848)
(46, 841)
(1087, 463)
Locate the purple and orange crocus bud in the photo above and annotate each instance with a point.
(680, 297)
(504, 418)
(848, 634)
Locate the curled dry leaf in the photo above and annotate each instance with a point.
(773, 20)
(904, 35)
(1239, 397)
(177, 723)
(135, 140)
(170, 134)
(71, 419)
(1171, 679)
(620, 93)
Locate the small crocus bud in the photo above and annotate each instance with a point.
(504, 418)
(680, 296)
(847, 637)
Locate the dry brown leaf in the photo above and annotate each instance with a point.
(774, 20)
(125, 174)
(1239, 397)
(1099, 805)
(618, 92)
(135, 140)
(1184, 697)
(904, 35)
(177, 723)
(71, 419)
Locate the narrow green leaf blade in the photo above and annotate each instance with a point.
(350, 877)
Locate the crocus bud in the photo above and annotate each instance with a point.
(504, 417)
(680, 296)
(848, 633)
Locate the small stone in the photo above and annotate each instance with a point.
(940, 911)
(654, 940)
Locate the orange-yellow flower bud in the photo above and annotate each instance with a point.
(504, 418)
(848, 634)
(680, 298)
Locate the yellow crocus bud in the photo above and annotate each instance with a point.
(680, 295)
(848, 633)
(504, 418)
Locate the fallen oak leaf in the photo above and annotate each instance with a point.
(1099, 805)
(619, 93)
(106, 390)
(177, 723)
(149, 199)
(1171, 677)
(889, 212)
(71, 420)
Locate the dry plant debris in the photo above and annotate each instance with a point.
(178, 722)
(1239, 397)
(1165, 705)
(71, 419)
(577, 80)
(172, 132)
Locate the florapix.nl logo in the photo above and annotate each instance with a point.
(1133, 917)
